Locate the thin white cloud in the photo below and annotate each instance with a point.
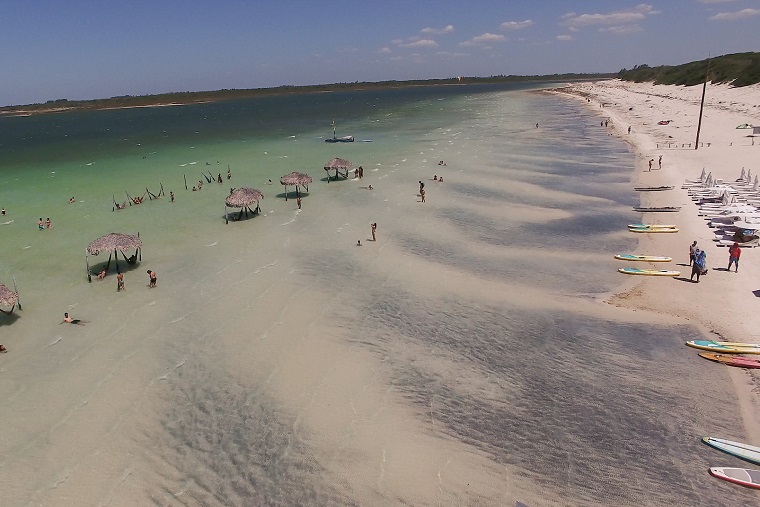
(616, 18)
(422, 43)
(564, 38)
(731, 16)
(384, 51)
(715, 1)
(438, 31)
(484, 39)
(448, 54)
(621, 30)
(516, 25)
(397, 41)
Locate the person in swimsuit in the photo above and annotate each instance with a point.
(120, 282)
(152, 275)
(70, 320)
(41, 224)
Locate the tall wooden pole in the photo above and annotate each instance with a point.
(702, 104)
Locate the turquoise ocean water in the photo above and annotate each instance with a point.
(474, 315)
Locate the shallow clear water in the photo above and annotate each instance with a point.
(462, 358)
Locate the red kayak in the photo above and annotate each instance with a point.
(730, 360)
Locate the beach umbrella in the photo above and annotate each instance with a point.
(242, 198)
(338, 164)
(295, 179)
(113, 243)
(7, 298)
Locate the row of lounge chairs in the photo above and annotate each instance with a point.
(731, 209)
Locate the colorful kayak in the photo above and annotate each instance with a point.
(656, 209)
(650, 272)
(643, 258)
(731, 360)
(742, 451)
(741, 476)
(651, 231)
(652, 226)
(746, 348)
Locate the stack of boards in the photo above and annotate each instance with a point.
(741, 476)
(652, 228)
(725, 347)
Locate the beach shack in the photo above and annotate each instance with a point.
(243, 198)
(295, 179)
(113, 243)
(340, 166)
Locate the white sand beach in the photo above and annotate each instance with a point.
(723, 303)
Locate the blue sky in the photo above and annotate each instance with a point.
(97, 49)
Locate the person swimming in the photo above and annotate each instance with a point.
(69, 320)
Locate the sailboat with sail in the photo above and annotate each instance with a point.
(342, 139)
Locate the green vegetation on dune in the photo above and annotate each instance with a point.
(740, 69)
(127, 101)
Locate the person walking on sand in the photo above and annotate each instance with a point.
(629, 129)
(120, 282)
(692, 249)
(650, 163)
(152, 275)
(422, 195)
(374, 229)
(659, 163)
(700, 264)
(298, 201)
(734, 252)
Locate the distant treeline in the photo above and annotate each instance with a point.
(740, 69)
(127, 101)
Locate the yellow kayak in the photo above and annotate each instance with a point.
(649, 272)
(643, 258)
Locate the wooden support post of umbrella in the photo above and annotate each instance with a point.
(242, 198)
(8, 298)
(296, 179)
(338, 164)
(113, 243)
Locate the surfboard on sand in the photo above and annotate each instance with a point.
(741, 476)
(725, 347)
(643, 258)
(731, 360)
(742, 451)
(652, 226)
(649, 272)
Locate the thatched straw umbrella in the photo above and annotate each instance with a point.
(8, 298)
(243, 198)
(296, 179)
(338, 164)
(113, 243)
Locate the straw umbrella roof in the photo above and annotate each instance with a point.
(296, 178)
(114, 241)
(7, 296)
(243, 197)
(339, 163)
